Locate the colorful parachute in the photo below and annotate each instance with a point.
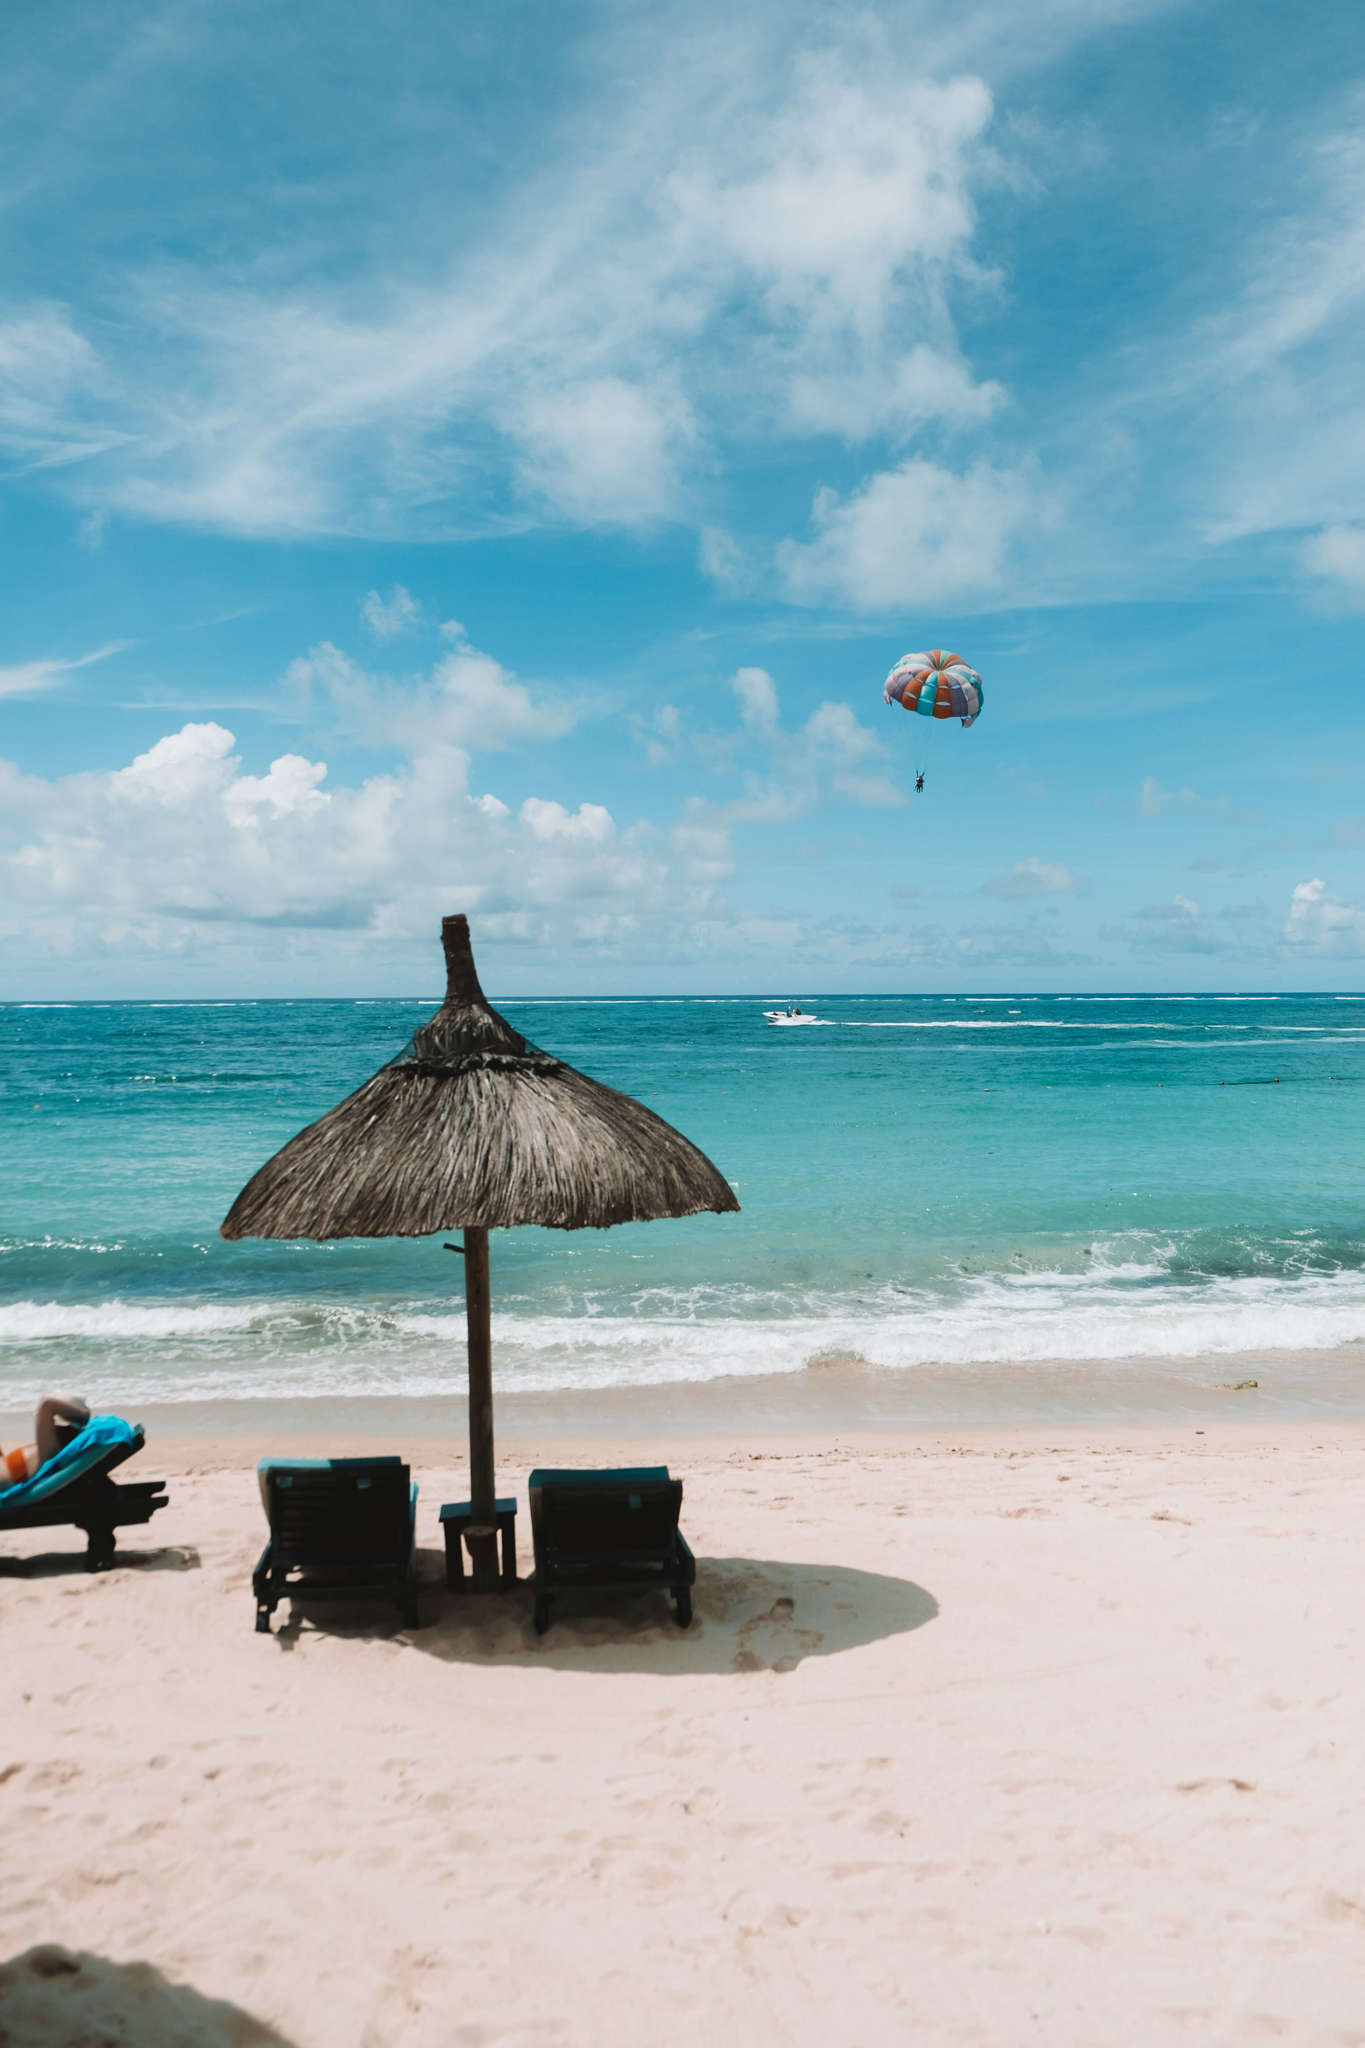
(937, 685)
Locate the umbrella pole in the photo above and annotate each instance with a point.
(482, 1488)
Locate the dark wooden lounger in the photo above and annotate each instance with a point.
(92, 1502)
(338, 1525)
(609, 1532)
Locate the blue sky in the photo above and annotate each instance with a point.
(488, 459)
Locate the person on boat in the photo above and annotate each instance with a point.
(59, 1418)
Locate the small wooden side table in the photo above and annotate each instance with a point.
(457, 1517)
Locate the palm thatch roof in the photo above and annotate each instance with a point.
(473, 1127)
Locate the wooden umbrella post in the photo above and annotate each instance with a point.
(482, 1533)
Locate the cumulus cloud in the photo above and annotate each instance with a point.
(182, 836)
(831, 750)
(910, 535)
(389, 616)
(468, 700)
(1033, 877)
(186, 846)
(1318, 922)
(590, 824)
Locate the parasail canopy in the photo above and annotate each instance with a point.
(936, 685)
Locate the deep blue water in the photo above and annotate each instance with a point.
(924, 1180)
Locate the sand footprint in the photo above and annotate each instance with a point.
(790, 1644)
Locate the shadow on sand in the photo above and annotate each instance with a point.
(750, 1614)
(58, 1564)
(51, 1997)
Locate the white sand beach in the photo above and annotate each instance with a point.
(1041, 1735)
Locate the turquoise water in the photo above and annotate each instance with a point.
(925, 1181)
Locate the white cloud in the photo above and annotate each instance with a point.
(468, 700)
(389, 616)
(659, 735)
(590, 823)
(1033, 877)
(731, 226)
(827, 201)
(186, 847)
(833, 735)
(1182, 925)
(1255, 409)
(1153, 800)
(1322, 923)
(1336, 557)
(50, 379)
(902, 395)
(182, 837)
(917, 534)
(844, 215)
(179, 768)
(30, 678)
(832, 750)
(1176, 926)
(604, 452)
(757, 694)
(726, 561)
(290, 788)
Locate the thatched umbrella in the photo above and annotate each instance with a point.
(473, 1128)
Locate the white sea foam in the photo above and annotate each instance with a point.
(1002, 1024)
(1130, 1309)
(38, 1322)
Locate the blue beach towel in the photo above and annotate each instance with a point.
(102, 1433)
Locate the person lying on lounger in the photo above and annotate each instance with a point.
(57, 1421)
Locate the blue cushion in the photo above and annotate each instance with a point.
(91, 1445)
(319, 1464)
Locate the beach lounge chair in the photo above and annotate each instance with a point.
(609, 1532)
(337, 1525)
(74, 1488)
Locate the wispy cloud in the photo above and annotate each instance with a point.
(767, 234)
(31, 678)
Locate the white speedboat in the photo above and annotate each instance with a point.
(791, 1016)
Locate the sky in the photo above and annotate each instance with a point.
(488, 459)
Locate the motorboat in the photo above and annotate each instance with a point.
(792, 1015)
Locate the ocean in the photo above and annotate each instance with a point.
(929, 1184)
